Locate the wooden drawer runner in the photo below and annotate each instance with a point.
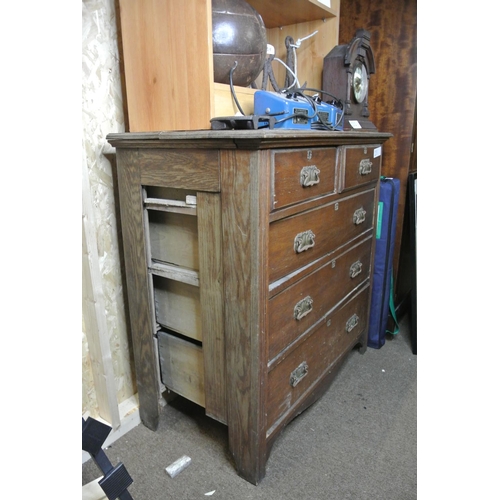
(178, 306)
(301, 305)
(181, 365)
(174, 238)
(305, 365)
(301, 239)
(301, 174)
(359, 165)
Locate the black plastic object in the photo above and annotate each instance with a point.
(116, 480)
(252, 122)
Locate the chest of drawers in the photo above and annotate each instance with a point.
(248, 260)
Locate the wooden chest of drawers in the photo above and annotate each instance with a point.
(248, 259)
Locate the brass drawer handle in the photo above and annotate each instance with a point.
(365, 166)
(352, 323)
(309, 176)
(356, 269)
(303, 308)
(298, 374)
(359, 216)
(303, 241)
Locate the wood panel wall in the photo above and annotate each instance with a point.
(393, 88)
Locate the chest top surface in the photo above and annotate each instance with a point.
(243, 139)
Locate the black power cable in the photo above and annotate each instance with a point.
(232, 87)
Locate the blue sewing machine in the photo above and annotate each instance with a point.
(296, 110)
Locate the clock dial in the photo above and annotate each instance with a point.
(360, 82)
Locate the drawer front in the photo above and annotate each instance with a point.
(181, 365)
(302, 174)
(301, 239)
(359, 165)
(305, 365)
(303, 304)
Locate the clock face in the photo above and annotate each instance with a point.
(359, 82)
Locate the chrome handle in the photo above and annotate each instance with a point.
(303, 308)
(355, 269)
(352, 323)
(309, 176)
(359, 216)
(298, 374)
(303, 241)
(365, 166)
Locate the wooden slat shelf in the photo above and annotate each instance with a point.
(176, 273)
(175, 206)
(278, 13)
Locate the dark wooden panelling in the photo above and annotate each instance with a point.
(393, 87)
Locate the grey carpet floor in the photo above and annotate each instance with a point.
(359, 442)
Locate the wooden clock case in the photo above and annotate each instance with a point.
(338, 69)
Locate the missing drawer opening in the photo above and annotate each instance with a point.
(173, 238)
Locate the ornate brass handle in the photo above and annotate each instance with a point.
(303, 308)
(303, 241)
(298, 374)
(356, 269)
(365, 166)
(359, 216)
(352, 323)
(309, 176)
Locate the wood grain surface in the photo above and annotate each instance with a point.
(212, 297)
(393, 87)
(137, 279)
(245, 226)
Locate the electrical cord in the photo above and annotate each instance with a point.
(307, 98)
(321, 124)
(335, 100)
(233, 92)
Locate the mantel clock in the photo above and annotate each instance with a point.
(346, 75)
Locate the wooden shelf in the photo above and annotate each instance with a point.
(285, 13)
(176, 273)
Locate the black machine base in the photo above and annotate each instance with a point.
(251, 122)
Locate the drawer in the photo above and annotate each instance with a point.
(178, 306)
(359, 165)
(301, 239)
(301, 174)
(173, 238)
(305, 365)
(181, 365)
(303, 304)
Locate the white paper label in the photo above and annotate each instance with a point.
(354, 124)
(377, 152)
